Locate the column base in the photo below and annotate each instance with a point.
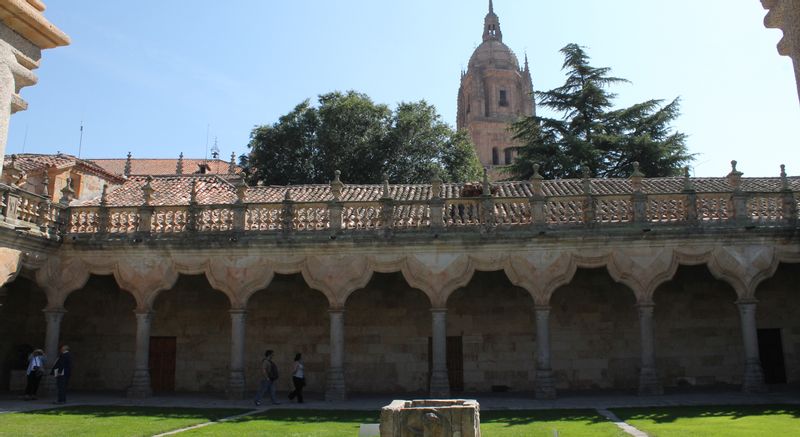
(440, 385)
(49, 385)
(649, 384)
(335, 388)
(140, 387)
(545, 388)
(754, 378)
(236, 386)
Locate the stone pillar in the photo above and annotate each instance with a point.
(140, 386)
(440, 383)
(649, 383)
(545, 386)
(335, 390)
(236, 380)
(753, 375)
(52, 335)
(7, 90)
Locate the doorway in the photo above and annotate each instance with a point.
(455, 362)
(162, 363)
(770, 349)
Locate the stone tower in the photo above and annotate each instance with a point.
(494, 92)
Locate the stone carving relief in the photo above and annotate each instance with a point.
(9, 264)
(642, 269)
(145, 277)
(438, 275)
(744, 267)
(541, 273)
(337, 276)
(60, 276)
(239, 277)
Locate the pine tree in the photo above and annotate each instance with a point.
(591, 133)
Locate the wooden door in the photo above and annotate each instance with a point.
(162, 363)
(455, 362)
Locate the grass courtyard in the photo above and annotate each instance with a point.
(147, 421)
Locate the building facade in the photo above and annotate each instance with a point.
(494, 93)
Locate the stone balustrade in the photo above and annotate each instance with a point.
(30, 213)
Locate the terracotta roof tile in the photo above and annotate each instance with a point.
(221, 189)
(34, 163)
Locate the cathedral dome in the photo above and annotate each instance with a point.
(493, 53)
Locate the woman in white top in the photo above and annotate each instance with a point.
(298, 379)
(35, 372)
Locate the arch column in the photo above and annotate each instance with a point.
(753, 381)
(649, 384)
(140, 384)
(236, 379)
(545, 385)
(440, 382)
(53, 318)
(335, 389)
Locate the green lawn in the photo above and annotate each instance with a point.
(106, 421)
(728, 421)
(306, 423)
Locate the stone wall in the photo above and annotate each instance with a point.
(594, 333)
(698, 332)
(495, 320)
(21, 323)
(100, 328)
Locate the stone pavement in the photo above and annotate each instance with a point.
(488, 401)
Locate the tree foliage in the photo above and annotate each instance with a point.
(351, 133)
(590, 132)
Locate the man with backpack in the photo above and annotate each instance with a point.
(269, 374)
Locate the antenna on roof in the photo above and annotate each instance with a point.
(208, 129)
(80, 141)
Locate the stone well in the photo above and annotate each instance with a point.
(431, 418)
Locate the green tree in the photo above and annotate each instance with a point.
(590, 132)
(351, 133)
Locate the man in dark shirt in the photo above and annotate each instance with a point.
(62, 370)
(269, 374)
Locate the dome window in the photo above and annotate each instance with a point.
(503, 98)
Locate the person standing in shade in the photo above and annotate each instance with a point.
(62, 370)
(298, 379)
(269, 374)
(34, 372)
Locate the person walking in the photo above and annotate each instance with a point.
(35, 371)
(269, 378)
(298, 379)
(62, 370)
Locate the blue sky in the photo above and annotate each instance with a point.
(153, 76)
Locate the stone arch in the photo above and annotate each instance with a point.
(387, 326)
(60, 276)
(239, 277)
(697, 329)
(145, 277)
(743, 267)
(495, 323)
(10, 264)
(643, 269)
(541, 273)
(437, 274)
(594, 330)
(337, 276)
(22, 327)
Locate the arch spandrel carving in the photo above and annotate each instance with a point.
(438, 275)
(60, 276)
(541, 273)
(643, 269)
(145, 277)
(10, 264)
(743, 267)
(337, 276)
(239, 277)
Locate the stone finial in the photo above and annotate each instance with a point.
(636, 177)
(735, 177)
(687, 181)
(46, 183)
(536, 181)
(586, 182)
(287, 197)
(784, 179)
(104, 196)
(386, 194)
(487, 189)
(127, 171)
(241, 190)
(336, 185)
(436, 186)
(147, 190)
(232, 164)
(193, 194)
(67, 193)
(179, 165)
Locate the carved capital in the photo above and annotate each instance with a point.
(541, 273)
(743, 267)
(10, 264)
(145, 277)
(239, 277)
(438, 275)
(337, 276)
(643, 269)
(60, 276)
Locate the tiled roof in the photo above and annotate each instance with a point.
(163, 166)
(34, 163)
(214, 189)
